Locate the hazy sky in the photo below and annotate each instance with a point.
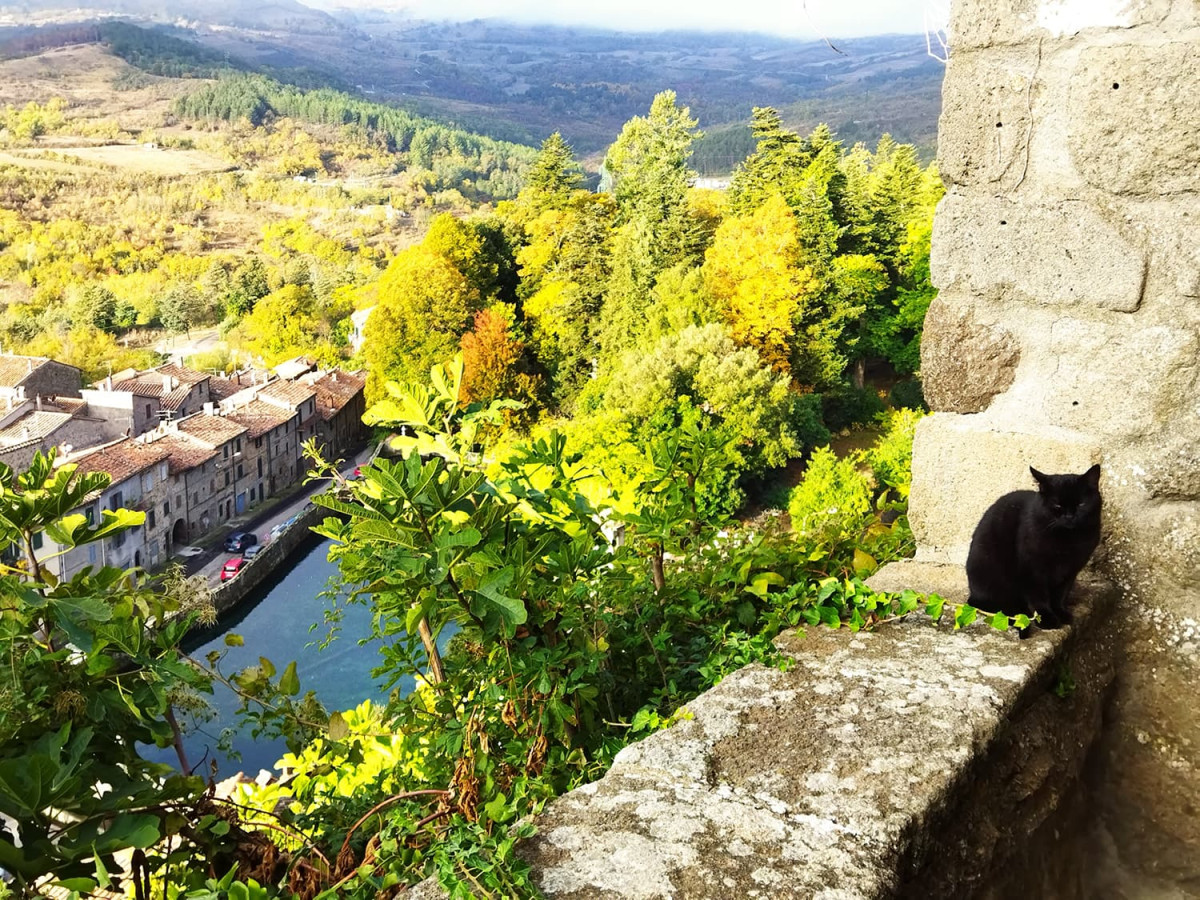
(793, 18)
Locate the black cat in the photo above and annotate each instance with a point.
(1030, 545)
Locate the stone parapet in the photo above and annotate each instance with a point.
(913, 761)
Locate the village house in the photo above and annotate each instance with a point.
(140, 482)
(341, 404)
(39, 424)
(27, 377)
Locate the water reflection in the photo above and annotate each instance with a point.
(277, 621)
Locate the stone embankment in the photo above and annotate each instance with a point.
(228, 595)
(913, 761)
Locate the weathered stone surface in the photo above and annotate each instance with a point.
(910, 762)
(986, 122)
(1134, 122)
(1092, 367)
(984, 24)
(1151, 757)
(1059, 254)
(1170, 470)
(960, 467)
(964, 364)
(944, 579)
(1096, 274)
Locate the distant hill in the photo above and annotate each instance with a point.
(519, 83)
(270, 15)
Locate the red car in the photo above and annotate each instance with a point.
(232, 567)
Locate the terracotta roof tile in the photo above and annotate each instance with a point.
(334, 389)
(259, 417)
(122, 460)
(15, 369)
(184, 453)
(33, 426)
(293, 393)
(212, 430)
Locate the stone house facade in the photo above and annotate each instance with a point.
(140, 482)
(27, 377)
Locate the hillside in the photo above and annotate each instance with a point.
(520, 82)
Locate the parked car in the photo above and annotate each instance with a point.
(253, 550)
(239, 541)
(280, 528)
(232, 567)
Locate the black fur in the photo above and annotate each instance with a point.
(1030, 545)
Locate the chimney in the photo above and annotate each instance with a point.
(38, 403)
(29, 363)
(210, 409)
(333, 375)
(108, 382)
(167, 384)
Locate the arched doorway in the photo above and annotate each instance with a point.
(178, 533)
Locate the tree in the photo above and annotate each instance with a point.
(494, 363)
(564, 268)
(425, 304)
(282, 324)
(96, 307)
(753, 272)
(648, 169)
(181, 309)
(732, 383)
(553, 177)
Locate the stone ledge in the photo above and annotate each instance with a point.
(912, 761)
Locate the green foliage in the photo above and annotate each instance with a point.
(88, 682)
(450, 154)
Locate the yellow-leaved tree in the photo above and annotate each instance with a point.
(752, 270)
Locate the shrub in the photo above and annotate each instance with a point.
(908, 394)
(834, 492)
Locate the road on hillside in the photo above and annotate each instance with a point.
(180, 346)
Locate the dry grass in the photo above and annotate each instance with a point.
(83, 75)
(157, 162)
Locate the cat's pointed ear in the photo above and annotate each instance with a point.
(1042, 480)
(1092, 476)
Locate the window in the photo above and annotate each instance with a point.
(149, 413)
(226, 451)
(226, 478)
(241, 472)
(90, 514)
(258, 442)
(166, 507)
(37, 540)
(117, 500)
(150, 518)
(238, 445)
(196, 498)
(251, 495)
(91, 554)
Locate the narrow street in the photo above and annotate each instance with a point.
(260, 522)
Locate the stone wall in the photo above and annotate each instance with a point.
(1067, 332)
(227, 596)
(911, 762)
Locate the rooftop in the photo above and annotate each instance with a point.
(123, 459)
(259, 417)
(292, 393)
(33, 426)
(293, 368)
(210, 429)
(334, 389)
(15, 369)
(184, 452)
